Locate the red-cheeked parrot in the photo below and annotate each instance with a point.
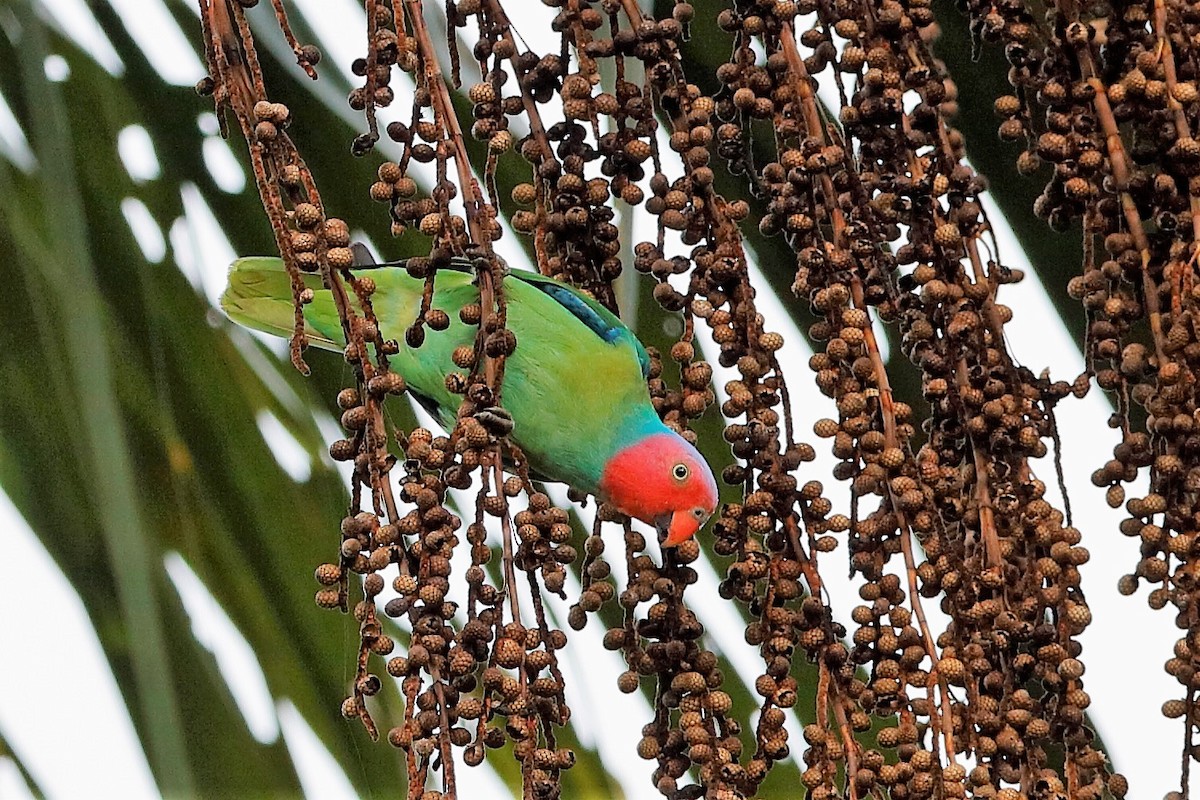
(575, 386)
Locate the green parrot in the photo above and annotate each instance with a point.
(575, 386)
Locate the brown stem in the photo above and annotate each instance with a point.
(1182, 128)
(887, 404)
(823, 692)
(536, 129)
(372, 63)
(416, 784)
(587, 64)
(361, 671)
(987, 520)
(1072, 770)
(632, 11)
(848, 744)
(249, 53)
(946, 724)
(887, 410)
(1119, 162)
(539, 613)
(289, 37)
(444, 109)
(816, 589)
(1185, 777)
(444, 743)
(987, 308)
(510, 572)
(230, 73)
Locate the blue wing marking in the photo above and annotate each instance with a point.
(583, 312)
(595, 318)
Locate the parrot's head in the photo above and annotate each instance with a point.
(664, 481)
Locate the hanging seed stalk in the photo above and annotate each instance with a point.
(883, 216)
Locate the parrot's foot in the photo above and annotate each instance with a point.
(496, 420)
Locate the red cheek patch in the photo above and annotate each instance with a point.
(633, 481)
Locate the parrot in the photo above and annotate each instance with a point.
(575, 386)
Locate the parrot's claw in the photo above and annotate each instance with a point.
(482, 259)
(361, 256)
(496, 420)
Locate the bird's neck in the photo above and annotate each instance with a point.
(644, 422)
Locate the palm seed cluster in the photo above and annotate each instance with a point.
(884, 217)
(1108, 98)
(997, 553)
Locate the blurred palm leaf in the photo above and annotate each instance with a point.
(130, 420)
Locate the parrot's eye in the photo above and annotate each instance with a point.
(680, 471)
(698, 513)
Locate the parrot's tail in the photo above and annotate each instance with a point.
(259, 296)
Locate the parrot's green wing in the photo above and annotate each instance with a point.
(598, 319)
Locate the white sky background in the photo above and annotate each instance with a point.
(1125, 641)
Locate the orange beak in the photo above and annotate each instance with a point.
(676, 528)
